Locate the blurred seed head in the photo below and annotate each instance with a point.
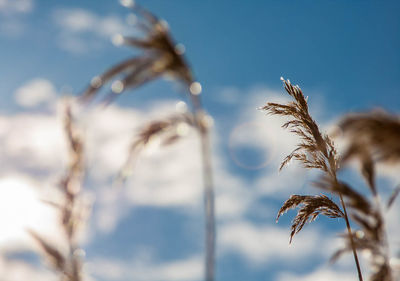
(195, 88)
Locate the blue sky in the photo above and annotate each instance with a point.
(343, 54)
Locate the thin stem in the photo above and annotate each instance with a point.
(385, 241)
(209, 204)
(333, 171)
(353, 246)
(209, 208)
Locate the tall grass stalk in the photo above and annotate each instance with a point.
(316, 151)
(163, 57)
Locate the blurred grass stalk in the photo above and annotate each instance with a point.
(163, 57)
(73, 212)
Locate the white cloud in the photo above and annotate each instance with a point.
(261, 245)
(16, 6)
(20, 271)
(146, 270)
(82, 30)
(273, 143)
(163, 178)
(233, 196)
(231, 202)
(34, 144)
(22, 209)
(32, 141)
(318, 275)
(293, 179)
(76, 20)
(12, 14)
(228, 95)
(81, 21)
(110, 26)
(35, 92)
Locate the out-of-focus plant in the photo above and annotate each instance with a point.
(372, 137)
(73, 211)
(161, 56)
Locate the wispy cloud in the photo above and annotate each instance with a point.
(260, 245)
(318, 275)
(34, 145)
(20, 271)
(35, 92)
(188, 269)
(16, 6)
(264, 135)
(82, 30)
(32, 142)
(12, 13)
(22, 209)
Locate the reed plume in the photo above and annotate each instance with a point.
(310, 208)
(315, 151)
